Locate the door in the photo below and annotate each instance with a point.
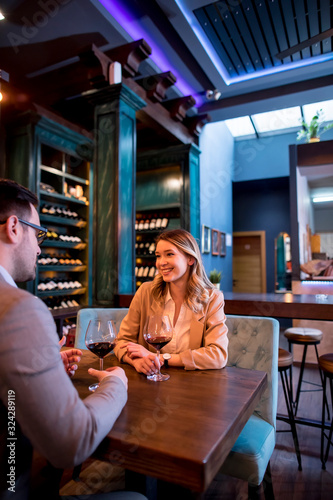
(249, 262)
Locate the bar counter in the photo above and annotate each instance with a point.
(279, 305)
(274, 305)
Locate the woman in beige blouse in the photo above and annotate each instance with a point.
(181, 290)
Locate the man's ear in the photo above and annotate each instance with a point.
(12, 228)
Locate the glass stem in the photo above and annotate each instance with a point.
(158, 356)
(101, 364)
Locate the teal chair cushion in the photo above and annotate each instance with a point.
(252, 451)
(254, 345)
(85, 315)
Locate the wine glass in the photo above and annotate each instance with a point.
(158, 332)
(100, 339)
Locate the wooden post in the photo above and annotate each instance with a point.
(114, 192)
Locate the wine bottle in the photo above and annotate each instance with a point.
(141, 224)
(152, 248)
(151, 273)
(146, 225)
(158, 223)
(164, 222)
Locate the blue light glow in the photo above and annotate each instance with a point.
(209, 49)
(133, 28)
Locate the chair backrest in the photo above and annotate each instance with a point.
(85, 315)
(254, 344)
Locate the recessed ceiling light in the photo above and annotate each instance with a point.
(1, 16)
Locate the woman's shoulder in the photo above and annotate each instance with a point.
(215, 295)
(145, 287)
(143, 291)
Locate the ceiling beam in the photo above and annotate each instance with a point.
(155, 113)
(266, 94)
(130, 56)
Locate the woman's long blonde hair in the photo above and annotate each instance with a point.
(198, 287)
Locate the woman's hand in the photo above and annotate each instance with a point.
(147, 365)
(136, 350)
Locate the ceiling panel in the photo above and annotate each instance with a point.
(253, 33)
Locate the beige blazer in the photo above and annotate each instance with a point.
(208, 331)
(50, 416)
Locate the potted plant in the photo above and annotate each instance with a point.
(215, 278)
(311, 132)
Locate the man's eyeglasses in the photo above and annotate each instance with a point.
(41, 235)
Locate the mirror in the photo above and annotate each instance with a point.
(282, 263)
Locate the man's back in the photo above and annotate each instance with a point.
(47, 407)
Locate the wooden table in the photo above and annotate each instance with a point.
(279, 305)
(180, 430)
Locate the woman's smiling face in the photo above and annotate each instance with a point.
(172, 263)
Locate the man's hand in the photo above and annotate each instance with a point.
(70, 358)
(114, 371)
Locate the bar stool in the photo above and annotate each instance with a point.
(284, 365)
(326, 365)
(305, 337)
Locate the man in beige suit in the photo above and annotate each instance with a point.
(39, 406)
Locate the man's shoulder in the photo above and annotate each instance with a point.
(10, 295)
(8, 290)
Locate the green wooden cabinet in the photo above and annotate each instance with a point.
(167, 197)
(55, 162)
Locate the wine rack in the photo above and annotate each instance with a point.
(148, 225)
(64, 188)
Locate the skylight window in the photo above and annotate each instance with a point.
(310, 110)
(277, 122)
(240, 127)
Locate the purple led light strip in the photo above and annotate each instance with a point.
(133, 28)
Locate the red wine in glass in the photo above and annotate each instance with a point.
(158, 332)
(101, 349)
(158, 342)
(100, 339)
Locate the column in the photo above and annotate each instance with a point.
(114, 192)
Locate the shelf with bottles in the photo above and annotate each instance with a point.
(61, 215)
(155, 220)
(64, 292)
(57, 179)
(54, 240)
(144, 248)
(145, 271)
(61, 303)
(64, 210)
(59, 262)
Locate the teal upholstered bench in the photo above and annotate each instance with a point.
(254, 345)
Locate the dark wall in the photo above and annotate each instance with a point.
(263, 205)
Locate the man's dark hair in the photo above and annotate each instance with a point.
(15, 200)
